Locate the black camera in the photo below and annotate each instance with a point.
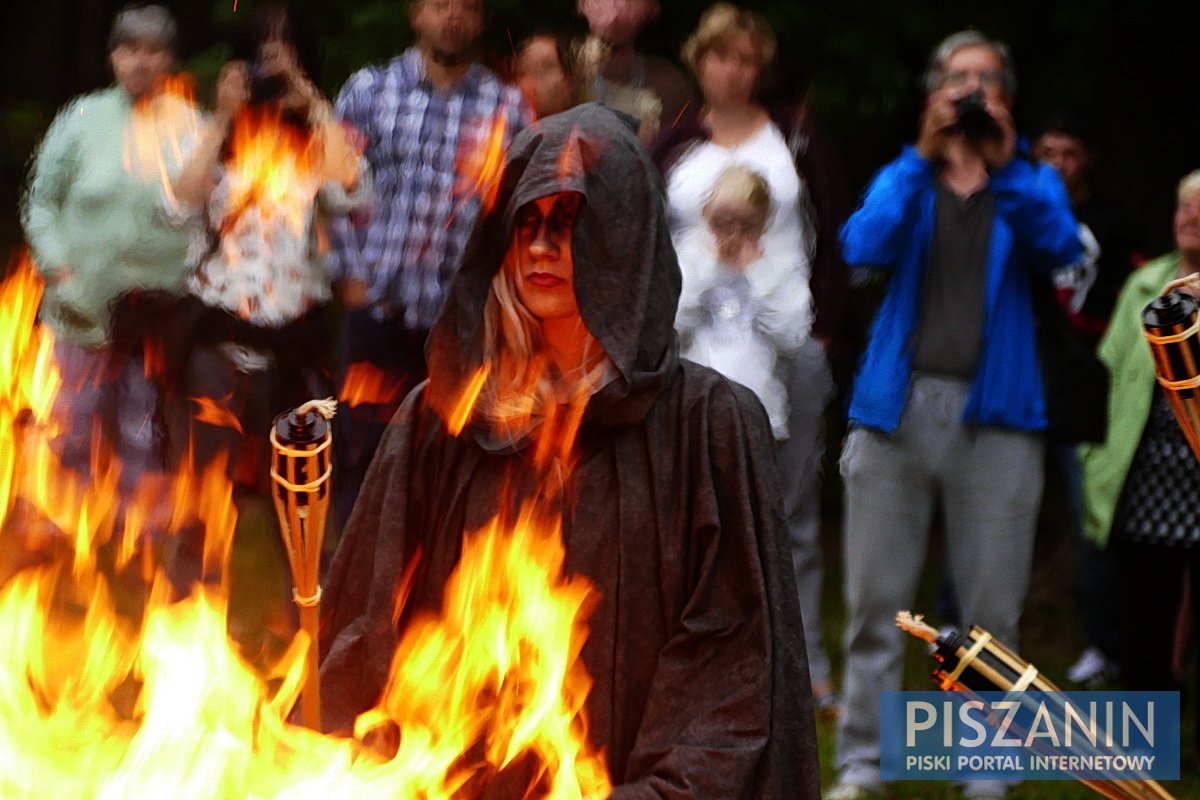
(973, 118)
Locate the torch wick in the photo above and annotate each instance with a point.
(915, 624)
(327, 408)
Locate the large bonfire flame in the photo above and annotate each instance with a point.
(111, 686)
(274, 169)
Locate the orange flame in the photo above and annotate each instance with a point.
(273, 168)
(29, 378)
(213, 412)
(111, 692)
(507, 682)
(154, 358)
(570, 159)
(480, 169)
(161, 124)
(367, 383)
(466, 403)
(497, 674)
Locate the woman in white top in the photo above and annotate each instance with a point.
(729, 52)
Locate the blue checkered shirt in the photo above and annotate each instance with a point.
(420, 145)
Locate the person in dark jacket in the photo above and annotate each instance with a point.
(666, 493)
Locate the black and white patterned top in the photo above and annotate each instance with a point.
(1160, 503)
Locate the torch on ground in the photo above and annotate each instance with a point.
(974, 662)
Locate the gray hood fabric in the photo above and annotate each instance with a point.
(627, 279)
(670, 509)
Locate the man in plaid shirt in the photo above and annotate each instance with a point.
(426, 118)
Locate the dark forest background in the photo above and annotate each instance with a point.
(1131, 66)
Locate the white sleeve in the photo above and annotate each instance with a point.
(783, 304)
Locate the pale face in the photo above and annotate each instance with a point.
(617, 22)
(1066, 154)
(541, 77)
(974, 67)
(448, 29)
(138, 66)
(544, 263)
(1187, 225)
(729, 70)
(736, 227)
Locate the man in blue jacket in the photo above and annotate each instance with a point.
(947, 407)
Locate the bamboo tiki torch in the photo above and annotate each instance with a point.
(976, 662)
(300, 469)
(1170, 324)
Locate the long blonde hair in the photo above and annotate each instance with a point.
(522, 382)
(512, 349)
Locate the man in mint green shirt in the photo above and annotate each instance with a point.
(93, 218)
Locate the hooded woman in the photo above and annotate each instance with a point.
(666, 497)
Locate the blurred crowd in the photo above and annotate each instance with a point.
(208, 268)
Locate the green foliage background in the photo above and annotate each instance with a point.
(1127, 64)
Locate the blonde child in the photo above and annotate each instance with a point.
(741, 309)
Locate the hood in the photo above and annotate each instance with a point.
(627, 279)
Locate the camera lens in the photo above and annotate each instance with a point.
(973, 118)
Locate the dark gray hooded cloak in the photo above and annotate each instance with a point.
(701, 685)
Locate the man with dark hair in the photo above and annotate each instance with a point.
(1108, 231)
(426, 118)
(948, 407)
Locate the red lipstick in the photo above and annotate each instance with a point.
(544, 280)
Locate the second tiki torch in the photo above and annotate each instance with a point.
(301, 465)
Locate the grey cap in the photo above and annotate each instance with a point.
(139, 23)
